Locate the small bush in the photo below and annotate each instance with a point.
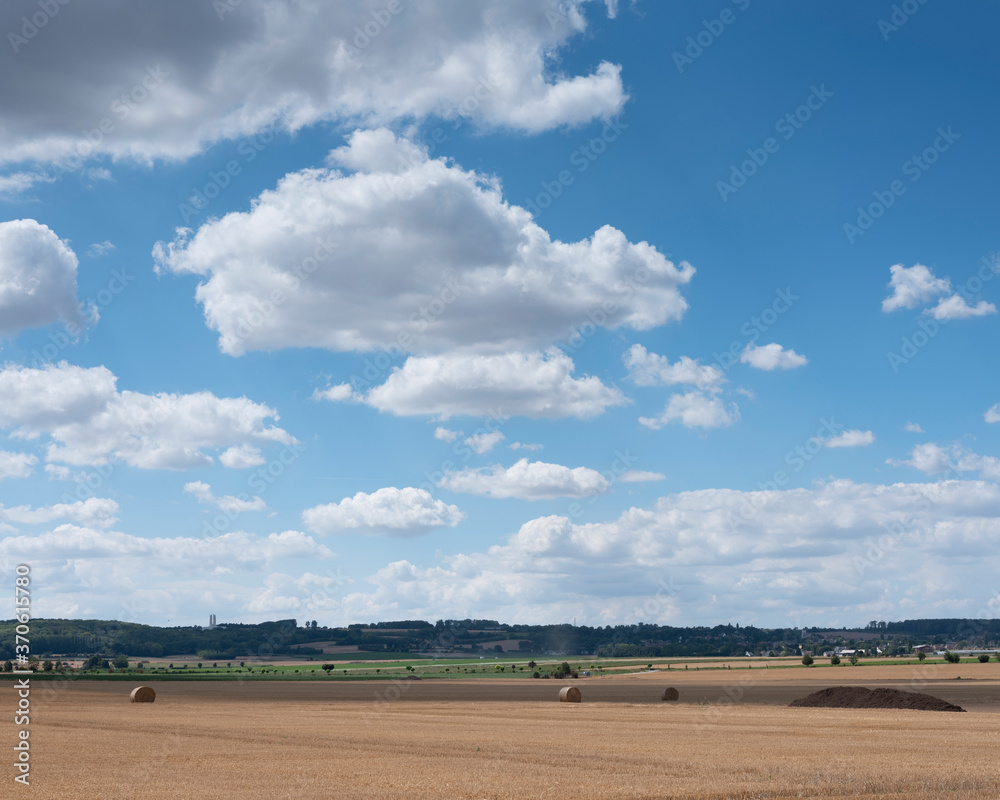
(807, 660)
(853, 660)
(952, 658)
(835, 660)
(983, 658)
(921, 655)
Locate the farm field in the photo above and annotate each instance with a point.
(511, 738)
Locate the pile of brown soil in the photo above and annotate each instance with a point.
(860, 697)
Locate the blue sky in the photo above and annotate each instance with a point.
(531, 310)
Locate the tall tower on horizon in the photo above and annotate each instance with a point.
(211, 621)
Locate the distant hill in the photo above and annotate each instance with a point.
(67, 637)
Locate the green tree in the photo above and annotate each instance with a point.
(835, 660)
(120, 662)
(807, 660)
(921, 655)
(47, 666)
(854, 660)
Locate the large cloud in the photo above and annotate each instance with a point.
(94, 511)
(410, 254)
(108, 574)
(37, 278)
(388, 512)
(832, 553)
(168, 557)
(147, 79)
(527, 480)
(515, 384)
(88, 421)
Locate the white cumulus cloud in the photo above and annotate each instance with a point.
(169, 80)
(446, 435)
(956, 307)
(694, 410)
(933, 459)
(992, 413)
(650, 369)
(484, 442)
(772, 356)
(527, 480)
(675, 561)
(37, 279)
(913, 286)
(514, 384)
(16, 465)
(641, 476)
(88, 421)
(94, 511)
(242, 457)
(228, 503)
(850, 438)
(412, 255)
(387, 512)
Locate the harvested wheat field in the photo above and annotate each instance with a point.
(321, 740)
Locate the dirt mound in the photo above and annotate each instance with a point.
(860, 697)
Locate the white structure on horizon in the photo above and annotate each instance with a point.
(211, 621)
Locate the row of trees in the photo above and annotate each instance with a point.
(227, 642)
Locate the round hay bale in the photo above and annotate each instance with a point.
(670, 694)
(570, 694)
(142, 694)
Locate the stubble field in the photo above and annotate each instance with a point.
(730, 736)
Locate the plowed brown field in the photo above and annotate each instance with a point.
(513, 739)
